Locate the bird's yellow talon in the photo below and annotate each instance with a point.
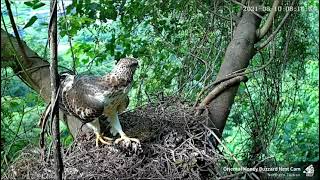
(103, 140)
(106, 138)
(126, 139)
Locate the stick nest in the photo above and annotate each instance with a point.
(175, 144)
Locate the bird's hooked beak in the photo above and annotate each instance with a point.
(135, 64)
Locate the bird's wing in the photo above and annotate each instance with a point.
(79, 96)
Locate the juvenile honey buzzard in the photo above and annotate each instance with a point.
(90, 97)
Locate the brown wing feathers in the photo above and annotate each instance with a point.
(79, 99)
(86, 96)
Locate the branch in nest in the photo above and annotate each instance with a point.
(218, 90)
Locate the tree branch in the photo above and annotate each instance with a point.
(265, 28)
(217, 90)
(22, 50)
(271, 37)
(240, 72)
(55, 88)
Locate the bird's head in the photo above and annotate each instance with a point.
(126, 66)
(130, 63)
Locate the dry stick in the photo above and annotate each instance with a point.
(218, 90)
(54, 87)
(271, 37)
(265, 28)
(224, 147)
(23, 52)
(44, 118)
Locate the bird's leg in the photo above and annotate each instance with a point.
(116, 128)
(95, 125)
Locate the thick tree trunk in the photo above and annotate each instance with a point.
(238, 54)
(38, 71)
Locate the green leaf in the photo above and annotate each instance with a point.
(85, 61)
(35, 4)
(38, 5)
(29, 3)
(31, 21)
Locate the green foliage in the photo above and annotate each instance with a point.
(20, 112)
(18, 124)
(297, 137)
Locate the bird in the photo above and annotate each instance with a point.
(90, 97)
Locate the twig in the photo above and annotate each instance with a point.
(42, 123)
(225, 148)
(70, 41)
(214, 13)
(239, 14)
(14, 138)
(220, 142)
(252, 104)
(262, 161)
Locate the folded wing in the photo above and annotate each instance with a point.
(83, 97)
